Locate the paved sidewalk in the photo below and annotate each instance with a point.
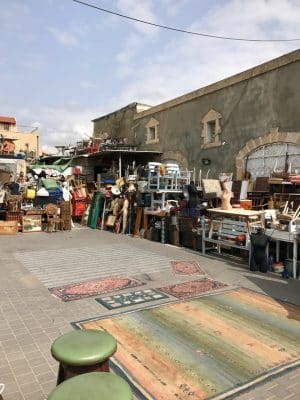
(30, 318)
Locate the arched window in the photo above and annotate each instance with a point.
(211, 132)
(152, 131)
(274, 157)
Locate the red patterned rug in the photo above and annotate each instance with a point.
(95, 287)
(186, 268)
(187, 290)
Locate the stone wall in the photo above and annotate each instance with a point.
(118, 124)
(252, 108)
(249, 110)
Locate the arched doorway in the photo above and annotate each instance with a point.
(273, 157)
(275, 150)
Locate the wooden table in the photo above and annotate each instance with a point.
(239, 213)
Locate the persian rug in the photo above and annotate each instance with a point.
(208, 347)
(190, 289)
(186, 268)
(94, 287)
(130, 298)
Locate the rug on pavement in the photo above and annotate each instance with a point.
(131, 298)
(93, 287)
(190, 289)
(209, 346)
(186, 268)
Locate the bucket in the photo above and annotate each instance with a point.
(278, 267)
(246, 204)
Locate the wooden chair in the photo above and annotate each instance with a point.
(53, 217)
(259, 200)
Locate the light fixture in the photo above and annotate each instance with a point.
(206, 161)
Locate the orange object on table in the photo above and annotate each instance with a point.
(246, 204)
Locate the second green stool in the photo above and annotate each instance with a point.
(93, 386)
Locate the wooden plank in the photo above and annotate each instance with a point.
(226, 243)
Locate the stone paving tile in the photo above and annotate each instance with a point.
(30, 387)
(13, 396)
(114, 259)
(21, 369)
(40, 369)
(10, 346)
(18, 355)
(46, 377)
(47, 387)
(11, 386)
(283, 387)
(38, 395)
(31, 354)
(29, 313)
(27, 378)
(8, 377)
(37, 361)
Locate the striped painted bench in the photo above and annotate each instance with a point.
(224, 232)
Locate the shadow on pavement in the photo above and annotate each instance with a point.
(284, 290)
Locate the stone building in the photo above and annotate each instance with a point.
(118, 124)
(249, 122)
(15, 140)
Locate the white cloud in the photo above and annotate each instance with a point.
(172, 7)
(87, 85)
(132, 45)
(58, 125)
(63, 37)
(140, 34)
(258, 19)
(140, 10)
(13, 11)
(190, 62)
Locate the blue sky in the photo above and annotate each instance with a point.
(63, 64)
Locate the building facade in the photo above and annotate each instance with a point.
(119, 124)
(14, 140)
(249, 122)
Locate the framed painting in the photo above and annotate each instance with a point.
(31, 223)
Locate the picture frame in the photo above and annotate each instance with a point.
(31, 223)
(212, 186)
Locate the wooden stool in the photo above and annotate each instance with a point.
(83, 351)
(93, 386)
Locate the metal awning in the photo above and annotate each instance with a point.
(122, 151)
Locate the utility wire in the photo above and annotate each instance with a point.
(182, 30)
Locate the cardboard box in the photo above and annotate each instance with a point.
(8, 227)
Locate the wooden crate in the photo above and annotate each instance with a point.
(8, 227)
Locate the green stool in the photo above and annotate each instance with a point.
(83, 351)
(93, 386)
